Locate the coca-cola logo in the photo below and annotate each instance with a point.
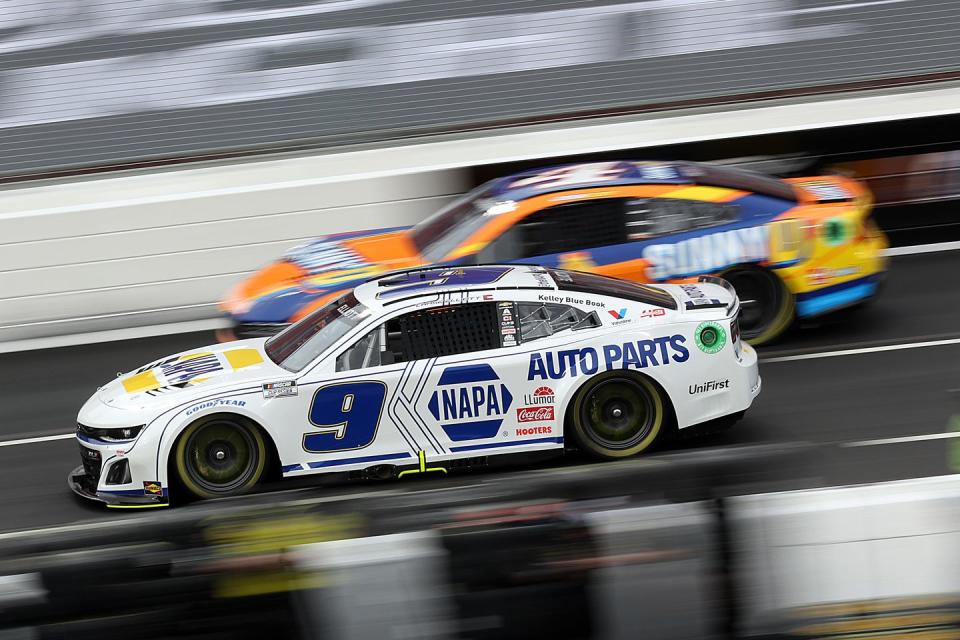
(534, 414)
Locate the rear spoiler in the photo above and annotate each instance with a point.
(826, 189)
(723, 283)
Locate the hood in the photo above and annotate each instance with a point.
(321, 266)
(177, 376)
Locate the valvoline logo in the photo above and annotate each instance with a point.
(618, 314)
(470, 402)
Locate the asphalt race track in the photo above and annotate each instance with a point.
(880, 413)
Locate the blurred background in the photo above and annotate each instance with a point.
(157, 153)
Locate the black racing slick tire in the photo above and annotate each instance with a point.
(767, 306)
(617, 415)
(220, 456)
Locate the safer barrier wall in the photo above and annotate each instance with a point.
(598, 551)
(164, 247)
(851, 547)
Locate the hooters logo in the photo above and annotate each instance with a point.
(534, 414)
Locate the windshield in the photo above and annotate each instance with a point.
(299, 344)
(445, 230)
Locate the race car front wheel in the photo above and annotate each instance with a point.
(617, 415)
(220, 456)
(766, 305)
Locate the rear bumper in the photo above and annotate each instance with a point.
(85, 486)
(838, 296)
(863, 259)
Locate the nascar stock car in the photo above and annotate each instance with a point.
(794, 248)
(438, 366)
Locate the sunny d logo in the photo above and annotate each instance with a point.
(470, 402)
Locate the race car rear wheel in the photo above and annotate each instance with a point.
(617, 415)
(766, 305)
(220, 456)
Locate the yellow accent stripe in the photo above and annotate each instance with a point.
(905, 634)
(263, 583)
(466, 250)
(335, 277)
(881, 623)
(240, 358)
(141, 382)
(192, 356)
(422, 457)
(707, 194)
(136, 506)
(867, 607)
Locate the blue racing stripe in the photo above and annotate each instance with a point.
(472, 430)
(287, 468)
(839, 295)
(496, 445)
(357, 460)
(468, 373)
(133, 492)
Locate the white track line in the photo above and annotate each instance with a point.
(59, 436)
(922, 248)
(111, 335)
(841, 7)
(851, 352)
(921, 438)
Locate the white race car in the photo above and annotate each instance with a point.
(420, 370)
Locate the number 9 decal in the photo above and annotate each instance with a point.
(347, 414)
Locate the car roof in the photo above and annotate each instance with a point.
(397, 286)
(567, 177)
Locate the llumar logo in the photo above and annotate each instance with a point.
(540, 396)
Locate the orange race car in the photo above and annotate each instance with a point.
(799, 247)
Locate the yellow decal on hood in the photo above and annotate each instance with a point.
(141, 382)
(242, 358)
(188, 370)
(191, 356)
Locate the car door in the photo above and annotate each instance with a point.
(332, 415)
(462, 377)
(630, 237)
(462, 371)
(479, 400)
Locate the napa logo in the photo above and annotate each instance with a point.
(470, 402)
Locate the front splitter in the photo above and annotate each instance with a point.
(85, 487)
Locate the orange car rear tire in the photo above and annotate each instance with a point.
(767, 306)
